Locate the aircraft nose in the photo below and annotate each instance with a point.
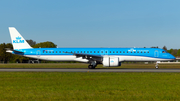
(172, 57)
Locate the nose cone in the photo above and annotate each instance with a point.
(172, 57)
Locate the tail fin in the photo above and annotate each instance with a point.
(17, 40)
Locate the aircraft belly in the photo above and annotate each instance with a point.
(58, 58)
(139, 58)
(73, 58)
(53, 58)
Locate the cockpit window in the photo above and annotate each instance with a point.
(163, 51)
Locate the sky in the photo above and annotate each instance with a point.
(94, 23)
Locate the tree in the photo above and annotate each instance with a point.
(165, 48)
(2, 52)
(178, 53)
(174, 52)
(31, 42)
(45, 45)
(4, 56)
(170, 51)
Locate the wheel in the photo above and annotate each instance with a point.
(156, 67)
(91, 67)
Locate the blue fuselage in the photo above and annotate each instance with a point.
(136, 54)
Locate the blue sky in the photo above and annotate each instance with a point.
(94, 23)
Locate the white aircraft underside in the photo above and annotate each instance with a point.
(80, 59)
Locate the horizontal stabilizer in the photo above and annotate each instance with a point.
(11, 50)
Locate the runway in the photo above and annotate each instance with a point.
(88, 70)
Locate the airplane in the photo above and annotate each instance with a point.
(109, 57)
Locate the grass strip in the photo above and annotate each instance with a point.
(89, 86)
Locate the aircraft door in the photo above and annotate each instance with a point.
(156, 53)
(38, 53)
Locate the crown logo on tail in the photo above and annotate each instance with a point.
(18, 38)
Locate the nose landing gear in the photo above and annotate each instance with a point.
(156, 66)
(157, 63)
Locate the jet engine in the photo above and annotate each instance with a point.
(111, 62)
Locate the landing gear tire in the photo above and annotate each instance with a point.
(91, 67)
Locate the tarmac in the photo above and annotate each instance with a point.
(86, 70)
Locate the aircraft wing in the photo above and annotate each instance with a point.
(87, 56)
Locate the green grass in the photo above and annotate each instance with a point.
(82, 65)
(89, 86)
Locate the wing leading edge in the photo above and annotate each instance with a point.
(87, 56)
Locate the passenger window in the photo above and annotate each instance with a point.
(134, 51)
(101, 51)
(124, 52)
(110, 52)
(127, 51)
(131, 51)
(91, 51)
(46, 52)
(49, 51)
(148, 51)
(98, 51)
(120, 51)
(141, 51)
(117, 52)
(144, 52)
(84, 52)
(113, 52)
(106, 51)
(94, 51)
(138, 51)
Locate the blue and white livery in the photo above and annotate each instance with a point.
(109, 57)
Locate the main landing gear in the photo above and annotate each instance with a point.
(92, 65)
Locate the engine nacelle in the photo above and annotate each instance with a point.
(111, 62)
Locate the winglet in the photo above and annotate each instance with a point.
(18, 41)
